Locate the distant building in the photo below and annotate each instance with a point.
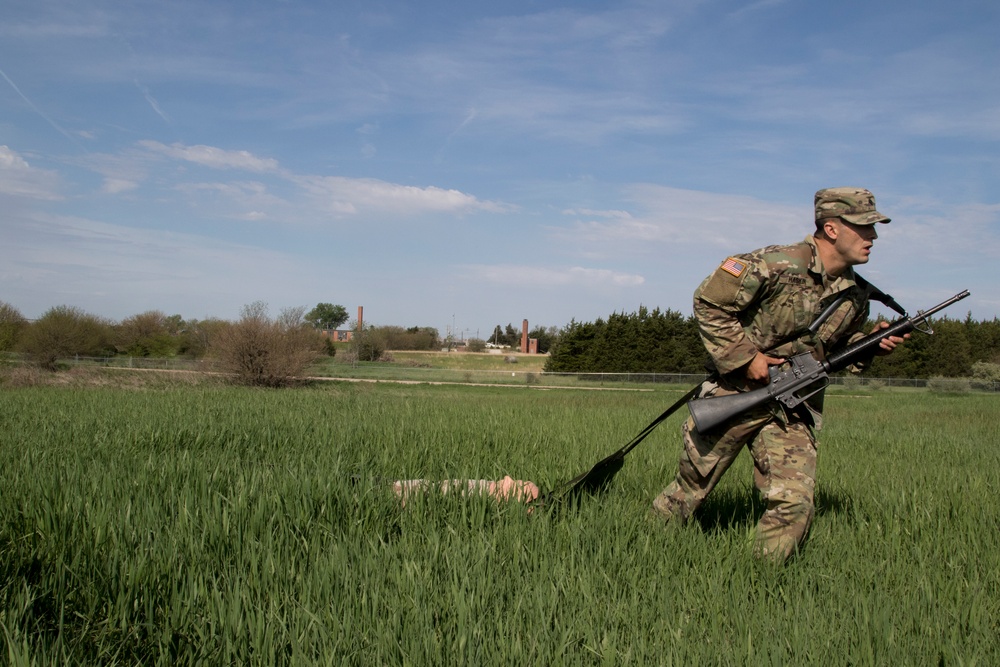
(339, 335)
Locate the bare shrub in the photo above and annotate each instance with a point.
(22, 376)
(27, 375)
(264, 352)
(197, 334)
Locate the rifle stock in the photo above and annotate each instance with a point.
(803, 376)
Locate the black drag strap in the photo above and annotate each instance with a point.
(600, 475)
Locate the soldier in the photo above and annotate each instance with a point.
(752, 313)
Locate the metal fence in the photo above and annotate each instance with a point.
(383, 371)
(938, 384)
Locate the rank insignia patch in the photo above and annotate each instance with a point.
(734, 266)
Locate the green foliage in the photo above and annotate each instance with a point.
(149, 334)
(329, 349)
(506, 336)
(497, 337)
(65, 331)
(546, 337)
(326, 316)
(655, 341)
(950, 352)
(511, 337)
(228, 526)
(982, 370)
(265, 352)
(641, 342)
(949, 385)
(475, 345)
(412, 338)
(12, 323)
(369, 344)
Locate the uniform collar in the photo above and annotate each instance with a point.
(832, 285)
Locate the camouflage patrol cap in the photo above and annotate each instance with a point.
(854, 205)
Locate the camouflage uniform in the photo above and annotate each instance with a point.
(764, 301)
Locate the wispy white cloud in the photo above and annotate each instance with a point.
(148, 96)
(335, 196)
(593, 213)
(246, 200)
(210, 156)
(122, 172)
(48, 119)
(118, 271)
(114, 186)
(542, 277)
(939, 232)
(61, 25)
(693, 216)
(567, 74)
(753, 7)
(20, 179)
(346, 196)
(667, 219)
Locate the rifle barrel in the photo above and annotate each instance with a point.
(904, 325)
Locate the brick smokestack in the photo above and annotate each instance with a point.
(524, 337)
(361, 310)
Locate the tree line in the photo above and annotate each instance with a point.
(644, 341)
(510, 337)
(257, 349)
(665, 341)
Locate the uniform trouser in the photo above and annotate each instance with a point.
(784, 457)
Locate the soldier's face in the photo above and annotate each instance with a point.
(854, 242)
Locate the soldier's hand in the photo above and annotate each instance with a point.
(757, 368)
(889, 343)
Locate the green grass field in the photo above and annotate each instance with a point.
(204, 524)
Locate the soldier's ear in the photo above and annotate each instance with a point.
(830, 228)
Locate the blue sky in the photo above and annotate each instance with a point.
(461, 165)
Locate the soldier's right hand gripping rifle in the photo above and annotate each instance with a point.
(803, 376)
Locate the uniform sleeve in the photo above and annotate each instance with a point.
(718, 304)
(857, 334)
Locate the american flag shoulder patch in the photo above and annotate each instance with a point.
(734, 266)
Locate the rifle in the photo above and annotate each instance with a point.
(803, 376)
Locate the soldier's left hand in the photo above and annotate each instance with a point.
(889, 343)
